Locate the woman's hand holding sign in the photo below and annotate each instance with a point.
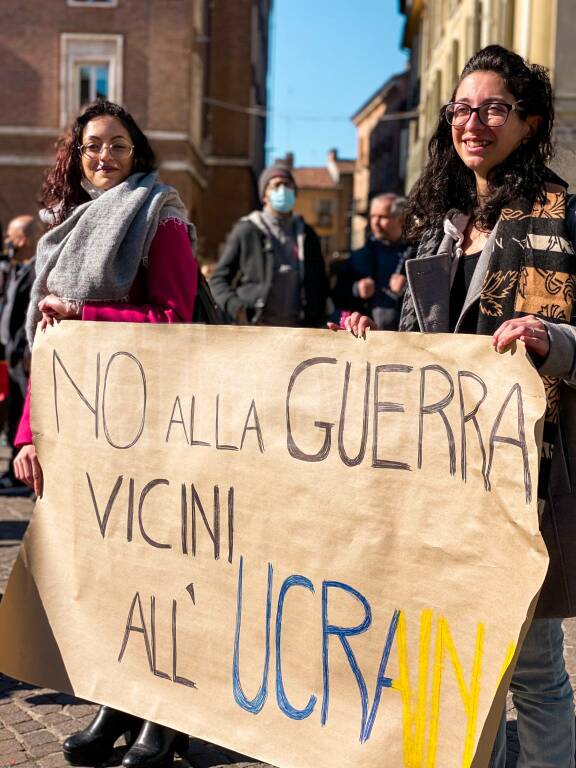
(54, 308)
(528, 329)
(355, 323)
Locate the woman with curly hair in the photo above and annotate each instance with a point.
(118, 249)
(496, 232)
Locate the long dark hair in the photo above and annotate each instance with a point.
(447, 183)
(61, 190)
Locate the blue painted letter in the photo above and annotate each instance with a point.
(382, 680)
(283, 703)
(343, 633)
(251, 705)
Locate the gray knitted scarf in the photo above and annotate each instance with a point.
(95, 253)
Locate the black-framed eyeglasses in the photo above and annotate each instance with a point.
(119, 150)
(491, 114)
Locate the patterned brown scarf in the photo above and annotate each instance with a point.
(532, 270)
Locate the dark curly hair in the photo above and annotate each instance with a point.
(447, 183)
(61, 190)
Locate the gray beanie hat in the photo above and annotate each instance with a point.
(273, 172)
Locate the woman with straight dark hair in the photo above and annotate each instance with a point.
(496, 232)
(118, 248)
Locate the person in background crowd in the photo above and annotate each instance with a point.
(372, 280)
(497, 234)
(22, 237)
(271, 271)
(5, 266)
(105, 177)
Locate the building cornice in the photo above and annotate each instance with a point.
(223, 160)
(43, 161)
(33, 130)
(28, 130)
(413, 12)
(161, 135)
(182, 166)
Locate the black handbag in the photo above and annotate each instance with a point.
(206, 311)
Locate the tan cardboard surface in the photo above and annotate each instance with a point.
(292, 543)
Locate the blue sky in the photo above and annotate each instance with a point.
(327, 57)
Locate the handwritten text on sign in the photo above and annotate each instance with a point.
(289, 542)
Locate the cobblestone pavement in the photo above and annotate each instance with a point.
(34, 722)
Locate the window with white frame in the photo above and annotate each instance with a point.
(93, 81)
(94, 3)
(90, 68)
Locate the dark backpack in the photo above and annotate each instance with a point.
(206, 311)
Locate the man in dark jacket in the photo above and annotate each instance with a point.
(22, 236)
(271, 271)
(371, 280)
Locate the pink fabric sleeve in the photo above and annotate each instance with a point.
(171, 283)
(24, 431)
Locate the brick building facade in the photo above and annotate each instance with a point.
(382, 136)
(192, 72)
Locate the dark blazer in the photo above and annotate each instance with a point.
(243, 276)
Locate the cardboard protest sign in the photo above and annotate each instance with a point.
(290, 542)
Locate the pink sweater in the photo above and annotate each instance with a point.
(164, 292)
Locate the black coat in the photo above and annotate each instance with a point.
(244, 274)
(13, 318)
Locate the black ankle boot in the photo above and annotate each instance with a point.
(95, 743)
(155, 747)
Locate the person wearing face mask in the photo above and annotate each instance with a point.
(371, 280)
(272, 271)
(21, 239)
(119, 248)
